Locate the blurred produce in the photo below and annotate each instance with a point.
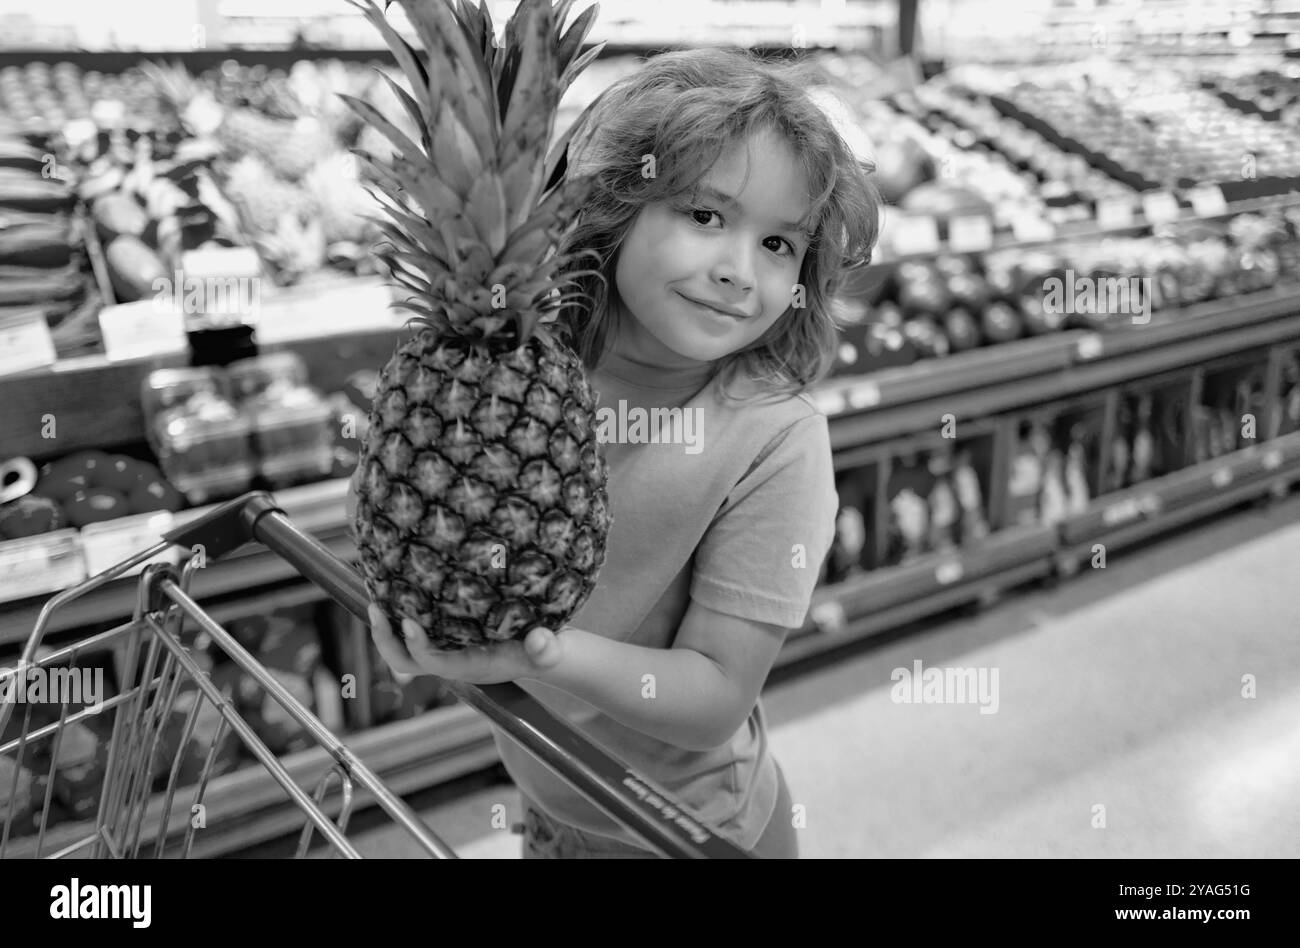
(200, 437)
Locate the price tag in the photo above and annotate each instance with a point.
(1030, 227)
(830, 402)
(221, 262)
(109, 543)
(220, 286)
(1222, 477)
(829, 616)
(1121, 512)
(966, 234)
(1114, 213)
(25, 343)
(341, 308)
(864, 395)
(949, 572)
(1090, 347)
(36, 565)
(914, 235)
(1160, 207)
(143, 328)
(1208, 201)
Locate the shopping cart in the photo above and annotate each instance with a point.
(154, 667)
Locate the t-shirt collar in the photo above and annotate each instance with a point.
(655, 377)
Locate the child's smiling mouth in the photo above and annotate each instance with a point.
(714, 310)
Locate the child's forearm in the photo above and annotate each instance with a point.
(679, 696)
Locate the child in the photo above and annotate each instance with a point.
(725, 209)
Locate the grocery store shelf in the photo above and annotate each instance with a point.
(247, 806)
(114, 602)
(1278, 320)
(1069, 557)
(978, 368)
(819, 639)
(1159, 503)
(95, 403)
(889, 587)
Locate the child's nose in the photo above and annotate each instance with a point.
(735, 268)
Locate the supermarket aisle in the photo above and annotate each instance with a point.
(1122, 689)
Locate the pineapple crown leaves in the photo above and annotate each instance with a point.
(479, 192)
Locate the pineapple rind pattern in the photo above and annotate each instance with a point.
(508, 536)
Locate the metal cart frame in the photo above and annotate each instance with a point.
(154, 667)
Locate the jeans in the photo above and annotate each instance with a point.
(547, 838)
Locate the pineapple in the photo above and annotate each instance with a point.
(263, 198)
(482, 509)
(290, 147)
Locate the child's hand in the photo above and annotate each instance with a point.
(539, 651)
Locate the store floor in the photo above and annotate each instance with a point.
(1122, 726)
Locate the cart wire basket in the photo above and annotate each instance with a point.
(116, 761)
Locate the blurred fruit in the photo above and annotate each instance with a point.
(1000, 323)
(29, 516)
(133, 268)
(901, 166)
(61, 479)
(120, 474)
(925, 334)
(945, 201)
(154, 493)
(95, 505)
(962, 329)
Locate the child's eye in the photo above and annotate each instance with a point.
(781, 241)
(698, 212)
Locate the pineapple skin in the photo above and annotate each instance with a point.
(482, 509)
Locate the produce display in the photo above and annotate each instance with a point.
(215, 430)
(932, 308)
(41, 99)
(1272, 94)
(283, 141)
(87, 487)
(1168, 135)
(292, 425)
(44, 266)
(151, 202)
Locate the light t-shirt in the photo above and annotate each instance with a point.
(734, 508)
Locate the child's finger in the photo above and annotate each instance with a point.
(389, 648)
(542, 647)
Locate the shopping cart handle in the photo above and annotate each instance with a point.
(607, 782)
(255, 517)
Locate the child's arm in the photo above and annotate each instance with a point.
(695, 695)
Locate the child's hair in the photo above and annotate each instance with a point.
(683, 109)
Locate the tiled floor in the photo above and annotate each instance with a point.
(1121, 726)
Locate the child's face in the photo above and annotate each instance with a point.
(680, 256)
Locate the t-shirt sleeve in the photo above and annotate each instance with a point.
(762, 554)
